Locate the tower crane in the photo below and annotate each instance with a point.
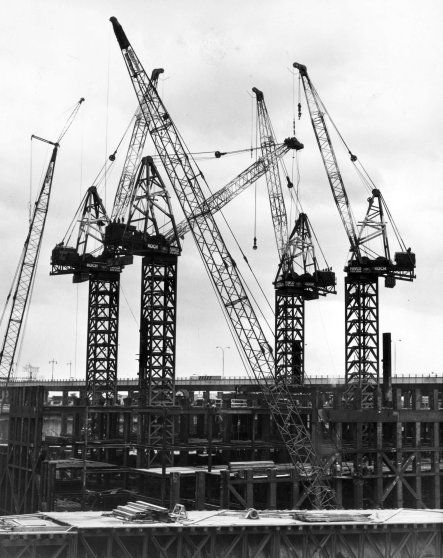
(365, 264)
(299, 277)
(150, 213)
(103, 268)
(186, 179)
(25, 275)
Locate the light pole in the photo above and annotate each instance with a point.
(395, 354)
(70, 366)
(222, 349)
(52, 362)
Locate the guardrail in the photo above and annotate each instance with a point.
(195, 381)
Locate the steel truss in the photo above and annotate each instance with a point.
(185, 177)
(157, 358)
(362, 359)
(19, 480)
(26, 273)
(102, 343)
(233, 541)
(290, 336)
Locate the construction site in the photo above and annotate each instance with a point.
(271, 462)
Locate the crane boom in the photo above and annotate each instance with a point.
(275, 193)
(133, 157)
(185, 177)
(335, 179)
(237, 185)
(29, 258)
(27, 266)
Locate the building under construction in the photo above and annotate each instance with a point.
(179, 450)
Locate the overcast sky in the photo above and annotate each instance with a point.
(377, 66)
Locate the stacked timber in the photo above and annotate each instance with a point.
(142, 511)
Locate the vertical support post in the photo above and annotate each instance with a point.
(102, 344)
(200, 490)
(272, 488)
(399, 485)
(249, 488)
(224, 489)
(387, 370)
(20, 479)
(435, 456)
(174, 489)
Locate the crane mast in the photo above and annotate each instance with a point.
(298, 276)
(364, 267)
(185, 177)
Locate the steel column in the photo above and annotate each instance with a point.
(157, 356)
(102, 344)
(289, 337)
(362, 358)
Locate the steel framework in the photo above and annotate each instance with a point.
(19, 480)
(102, 340)
(26, 272)
(157, 358)
(365, 264)
(185, 177)
(151, 212)
(290, 335)
(362, 344)
(240, 538)
(297, 276)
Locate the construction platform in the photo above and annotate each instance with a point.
(225, 534)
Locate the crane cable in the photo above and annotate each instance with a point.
(362, 173)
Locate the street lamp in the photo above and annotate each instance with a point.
(222, 349)
(52, 362)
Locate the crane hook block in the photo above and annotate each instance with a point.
(290, 184)
(219, 154)
(254, 247)
(301, 68)
(259, 94)
(353, 157)
(155, 73)
(293, 143)
(119, 33)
